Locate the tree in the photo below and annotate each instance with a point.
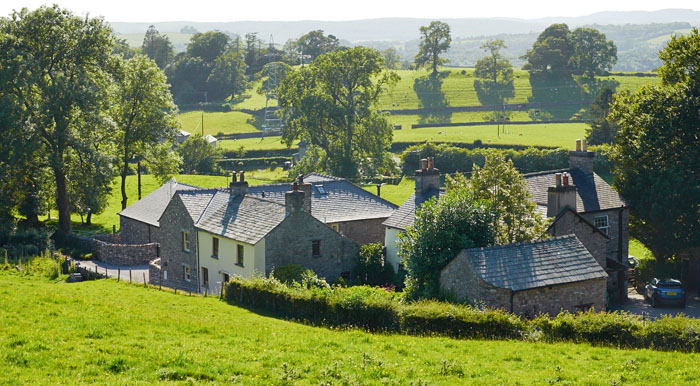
(157, 47)
(442, 229)
(371, 267)
(551, 52)
(593, 53)
(515, 217)
(188, 76)
(391, 58)
(332, 105)
(602, 131)
(227, 78)
(278, 70)
(495, 75)
(198, 156)
(315, 44)
(144, 114)
(208, 46)
(655, 155)
(54, 64)
(435, 39)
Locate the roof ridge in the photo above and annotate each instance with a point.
(262, 199)
(205, 208)
(326, 176)
(543, 172)
(523, 243)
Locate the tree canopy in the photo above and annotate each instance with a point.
(655, 155)
(435, 39)
(332, 105)
(601, 130)
(157, 47)
(315, 44)
(442, 228)
(494, 83)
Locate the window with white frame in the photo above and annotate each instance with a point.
(601, 222)
(239, 255)
(215, 247)
(186, 272)
(185, 241)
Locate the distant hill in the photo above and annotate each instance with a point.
(638, 35)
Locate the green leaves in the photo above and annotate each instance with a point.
(435, 39)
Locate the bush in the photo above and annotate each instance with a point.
(290, 273)
(371, 269)
(651, 268)
(614, 329)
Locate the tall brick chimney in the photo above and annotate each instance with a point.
(294, 200)
(238, 187)
(581, 158)
(561, 195)
(307, 189)
(427, 177)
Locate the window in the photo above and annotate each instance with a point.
(215, 247)
(316, 248)
(601, 222)
(239, 255)
(225, 277)
(205, 277)
(185, 241)
(321, 190)
(336, 227)
(186, 273)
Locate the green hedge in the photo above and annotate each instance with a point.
(375, 309)
(248, 163)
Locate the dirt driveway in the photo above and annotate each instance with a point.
(637, 305)
(136, 273)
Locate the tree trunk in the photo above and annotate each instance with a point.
(88, 219)
(62, 201)
(125, 170)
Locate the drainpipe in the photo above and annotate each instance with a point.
(512, 295)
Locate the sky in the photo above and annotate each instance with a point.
(334, 10)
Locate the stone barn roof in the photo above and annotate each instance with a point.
(542, 263)
(406, 214)
(149, 209)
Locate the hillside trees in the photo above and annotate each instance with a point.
(593, 53)
(144, 114)
(198, 156)
(656, 157)
(435, 39)
(442, 228)
(332, 105)
(494, 83)
(157, 47)
(53, 63)
(315, 44)
(601, 130)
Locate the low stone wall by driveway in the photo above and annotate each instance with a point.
(107, 248)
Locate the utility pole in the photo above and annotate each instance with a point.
(202, 124)
(138, 172)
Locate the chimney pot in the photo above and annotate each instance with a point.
(233, 176)
(557, 179)
(578, 145)
(585, 145)
(424, 164)
(295, 186)
(242, 173)
(379, 190)
(566, 179)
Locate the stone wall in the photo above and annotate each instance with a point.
(291, 243)
(594, 241)
(174, 221)
(137, 232)
(459, 280)
(154, 272)
(125, 254)
(363, 231)
(572, 297)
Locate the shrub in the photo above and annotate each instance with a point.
(370, 268)
(289, 273)
(672, 333)
(615, 329)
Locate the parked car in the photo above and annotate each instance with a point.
(665, 291)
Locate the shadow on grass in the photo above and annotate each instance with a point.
(493, 94)
(562, 97)
(429, 91)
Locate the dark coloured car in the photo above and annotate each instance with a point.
(665, 291)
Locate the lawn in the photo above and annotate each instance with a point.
(395, 193)
(104, 221)
(217, 122)
(104, 332)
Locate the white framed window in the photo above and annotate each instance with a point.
(239, 255)
(601, 222)
(185, 241)
(186, 272)
(215, 247)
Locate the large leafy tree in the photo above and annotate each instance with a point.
(494, 83)
(332, 105)
(54, 64)
(198, 156)
(208, 45)
(227, 78)
(551, 51)
(315, 44)
(144, 114)
(601, 130)
(515, 217)
(157, 47)
(435, 39)
(442, 228)
(656, 157)
(593, 53)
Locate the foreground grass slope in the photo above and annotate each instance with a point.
(103, 332)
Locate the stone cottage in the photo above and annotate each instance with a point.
(544, 276)
(208, 235)
(580, 202)
(427, 186)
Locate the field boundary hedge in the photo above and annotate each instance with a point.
(485, 123)
(377, 310)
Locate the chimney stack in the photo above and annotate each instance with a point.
(238, 187)
(294, 200)
(581, 158)
(308, 191)
(561, 195)
(427, 177)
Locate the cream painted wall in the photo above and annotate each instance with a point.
(253, 259)
(391, 236)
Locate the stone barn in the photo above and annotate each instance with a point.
(527, 279)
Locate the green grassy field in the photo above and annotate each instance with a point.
(104, 332)
(104, 221)
(217, 122)
(397, 194)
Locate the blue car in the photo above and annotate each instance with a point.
(666, 291)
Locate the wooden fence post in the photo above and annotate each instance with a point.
(129, 275)
(119, 273)
(144, 279)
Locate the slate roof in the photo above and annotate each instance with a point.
(592, 192)
(542, 263)
(149, 209)
(406, 214)
(244, 218)
(333, 199)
